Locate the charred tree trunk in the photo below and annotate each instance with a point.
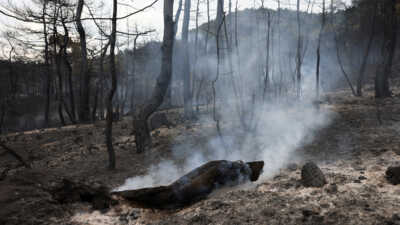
(219, 19)
(317, 78)
(382, 88)
(84, 109)
(208, 26)
(72, 113)
(193, 186)
(361, 75)
(177, 16)
(142, 134)
(353, 91)
(57, 64)
(298, 53)
(47, 66)
(187, 93)
(102, 57)
(113, 36)
(267, 78)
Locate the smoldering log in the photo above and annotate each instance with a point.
(193, 186)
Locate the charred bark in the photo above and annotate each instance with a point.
(72, 112)
(317, 77)
(361, 75)
(298, 52)
(382, 87)
(194, 186)
(141, 130)
(113, 36)
(187, 93)
(84, 110)
(47, 66)
(57, 60)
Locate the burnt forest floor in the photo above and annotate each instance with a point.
(354, 152)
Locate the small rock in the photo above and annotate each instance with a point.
(312, 176)
(362, 178)
(393, 175)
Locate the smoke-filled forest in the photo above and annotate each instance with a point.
(199, 112)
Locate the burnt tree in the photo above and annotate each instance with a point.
(113, 71)
(141, 129)
(187, 93)
(84, 110)
(382, 88)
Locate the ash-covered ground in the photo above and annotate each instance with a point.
(353, 152)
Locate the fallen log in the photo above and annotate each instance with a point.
(193, 186)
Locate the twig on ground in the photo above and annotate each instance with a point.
(14, 154)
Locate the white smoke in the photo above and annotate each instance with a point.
(280, 125)
(282, 129)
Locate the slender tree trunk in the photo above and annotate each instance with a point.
(342, 68)
(133, 75)
(69, 73)
(187, 93)
(196, 74)
(168, 95)
(47, 66)
(113, 71)
(84, 109)
(219, 18)
(317, 78)
(267, 78)
(142, 133)
(353, 91)
(177, 16)
(382, 87)
(361, 75)
(57, 64)
(216, 116)
(298, 53)
(208, 26)
(102, 73)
